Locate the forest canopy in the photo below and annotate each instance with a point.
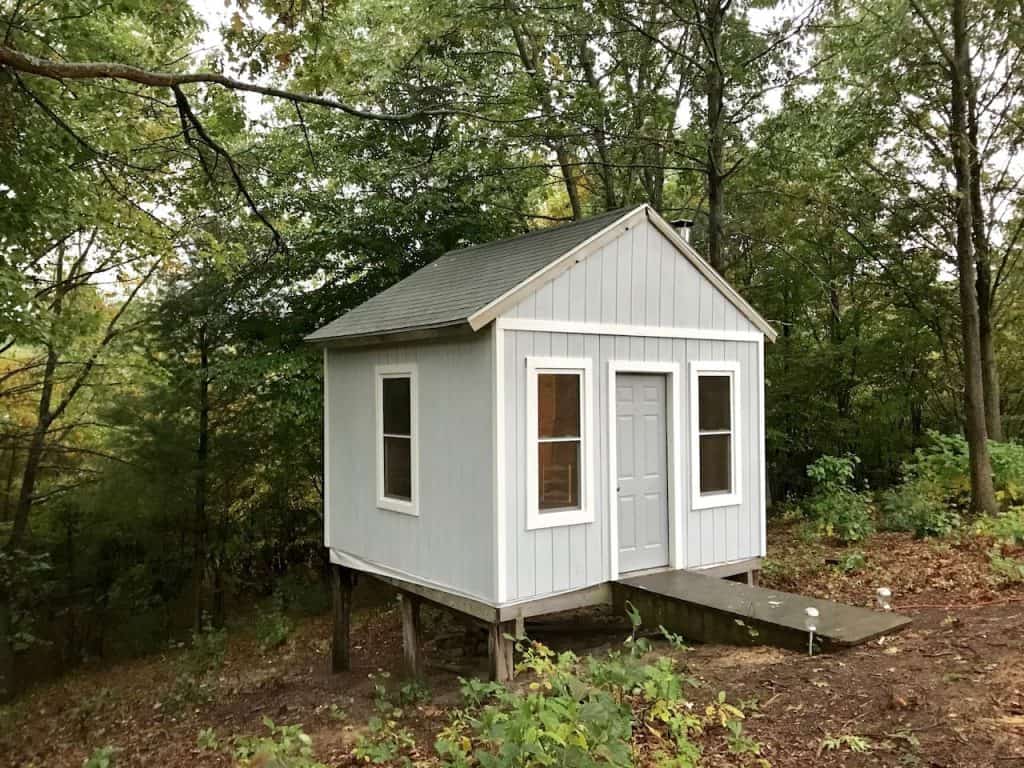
(176, 214)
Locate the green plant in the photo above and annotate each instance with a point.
(834, 508)
(1006, 555)
(272, 625)
(194, 683)
(102, 757)
(286, 746)
(848, 741)
(852, 562)
(208, 740)
(383, 742)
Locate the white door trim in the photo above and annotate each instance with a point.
(673, 423)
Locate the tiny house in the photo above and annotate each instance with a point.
(520, 423)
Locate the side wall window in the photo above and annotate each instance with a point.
(715, 442)
(397, 454)
(559, 458)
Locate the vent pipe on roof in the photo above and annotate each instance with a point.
(682, 227)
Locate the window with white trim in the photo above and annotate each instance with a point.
(559, 468)
(397, 454)
(715, 441)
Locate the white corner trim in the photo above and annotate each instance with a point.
(498, 306)
(623, 329)
(674, 423)
(327, 456)
(535, 519)
(500, 470)
(761, 405)
(730, 368)
(399, 370)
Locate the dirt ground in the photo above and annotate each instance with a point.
(948, 691)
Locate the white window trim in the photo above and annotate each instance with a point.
(381, 372)
(731, 369)
(535, 519)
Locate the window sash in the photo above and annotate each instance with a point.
(396, 461)
(715, 452)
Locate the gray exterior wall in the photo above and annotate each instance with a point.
(451, 543)
(640, 279)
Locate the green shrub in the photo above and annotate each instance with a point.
(919, 506)
(835, 510)
(272, 625)
(303, 592)
(1005, 555)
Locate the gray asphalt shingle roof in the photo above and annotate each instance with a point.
(453, 287)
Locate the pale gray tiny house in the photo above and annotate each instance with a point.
(522, 422)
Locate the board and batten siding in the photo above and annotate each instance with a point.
(450, 544)
(639, 279)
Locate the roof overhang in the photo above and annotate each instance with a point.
(398, 336)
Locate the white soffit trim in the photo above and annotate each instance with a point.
(620, 329)
(513, 296)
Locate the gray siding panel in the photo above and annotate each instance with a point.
(638, 279)
(556, 559)
(451, 542)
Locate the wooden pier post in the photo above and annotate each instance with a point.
(342, 581)
(501, 650)
(411, 635)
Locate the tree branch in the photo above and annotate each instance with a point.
(108, 70)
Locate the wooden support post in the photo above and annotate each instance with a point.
(411, 635)
(754, 577)
(342, 581)
(501, 651)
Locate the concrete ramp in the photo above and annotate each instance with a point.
(707, 609)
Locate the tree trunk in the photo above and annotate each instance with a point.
(202, 451)
(983, 262)
(983, 499)
(600, 133)
(715, 13)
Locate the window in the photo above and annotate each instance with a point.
(396, 439)
(715, 444)
(558, 461)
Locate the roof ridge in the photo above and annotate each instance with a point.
(542, 230)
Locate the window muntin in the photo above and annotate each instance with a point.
(559, 440)
(559, 453)
(396, 439)
(715, 445)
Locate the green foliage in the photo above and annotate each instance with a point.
(1006, 555)
(834, 508)
(933, 498)
(286, 746)
(272, 625)
(852, 742)
(101, 757)
(383, 743)
(585, 712)
(195, 682)
(852, 562)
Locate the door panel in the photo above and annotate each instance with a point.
(642, 466)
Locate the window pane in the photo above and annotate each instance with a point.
(396, 406)
(715, 463)
(558, 405)
(398, 468)
(559, 475)
(714, 402)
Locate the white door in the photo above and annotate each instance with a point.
(642, 465)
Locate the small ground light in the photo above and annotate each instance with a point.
(884, 595)
(811, 622)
